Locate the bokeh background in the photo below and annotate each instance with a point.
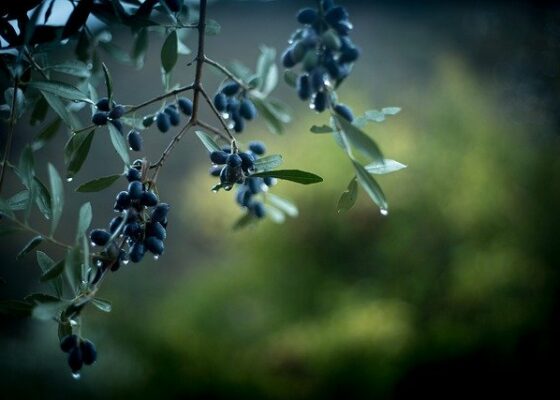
(454, 294)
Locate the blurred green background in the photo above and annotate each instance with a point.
(454, 294)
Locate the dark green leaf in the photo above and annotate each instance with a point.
(57, 199)
(117, 53)
(119, 143)
(268, 162)
(73, 267)
(140, 45)
(46, 263)
(108, 82)
(32, 244)
(98, 184)
(58, 106)
(53, 272)
(76, 151)
(359, 140)
(391, 110)
(371, 187)
(267, 70)
(49, 310)
(42, 198)
(15, 308)
(273, 123)
(283, 204)
(384, 168)
(321, 129)
(6, 210)
(348, 198)
(38, 298)
(208, 142)
(84, 220)
(78, 17)
(101, 304)
(60, 89)
(212, 27)
(27, 174)
(169, 52)
(294, 175)
(39, 112)
(71, 67)
(47, 134)
(19, 201)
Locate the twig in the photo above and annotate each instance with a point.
(226, 72)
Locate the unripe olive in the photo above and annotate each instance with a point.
(162, 122)
(257, 147)
(185, 105)
(99, 118)
(310, 60)
(154, 245)
(331, 40)
(68, 342)
(230, 88)
(116, 112)
(135, 190)
(247, 109)
(75, 359)
(89, 353)
(220, 102)
(307, 16)
(135, 140)
(100, 237)
(344, 111)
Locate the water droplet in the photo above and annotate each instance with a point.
(384, 212)
(76, 375)
(225, 115)
(73, 322)
(69, 179)
(125, 261)
(130, 148)
(99, 263)
(156, 257)
(92, 244)
(215, 190)
(312, 106)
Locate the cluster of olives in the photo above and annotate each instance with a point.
(237, 167)
(142, 223)
(170, 115)
(233, 104)
(325, 52)
(108, 112)
(80, 352)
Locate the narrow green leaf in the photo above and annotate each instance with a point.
(169, 52)
(371, 187)
(60, 108)
(274, 214)
(32, 244)
(268, 162)
(273, 123)
(84, 220)
(290, 77)
(374, 115)
(15, 308)
(360, 140)
(293, 175)
(71, 67)
(267, 70)
(37, 298)
(212, 27)
(391, 110)
(321, 129)
(49, 310)
(348, 198)
(387, 167)
(283, 204)
(57, 200)
(73, 267)
(207, 141)
(140, 45)
(108, 82)
(42, 198)
(39, 112)
(119, 143)
(20, 100)
(98, 184)
(46, 134)
(77, 150)
(53, 272)
(46, 263)
(27, 174)
(60, 89)
(19, 201)
(101, 304)
(5, 209)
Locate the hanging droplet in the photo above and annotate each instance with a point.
(384, 212)
(99, 263)
(92, 244)
(225, 115)
(156, 257)
(311, 105)
(69, 179)
(73, 322)
(125, 261)
(215, 190)
(76, 375)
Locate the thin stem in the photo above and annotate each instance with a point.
(213, 129)
(36, 232)
(226, 72)
(9, 140)
(220, 118)
(168, 150)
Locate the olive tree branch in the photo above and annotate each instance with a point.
(226, 72)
